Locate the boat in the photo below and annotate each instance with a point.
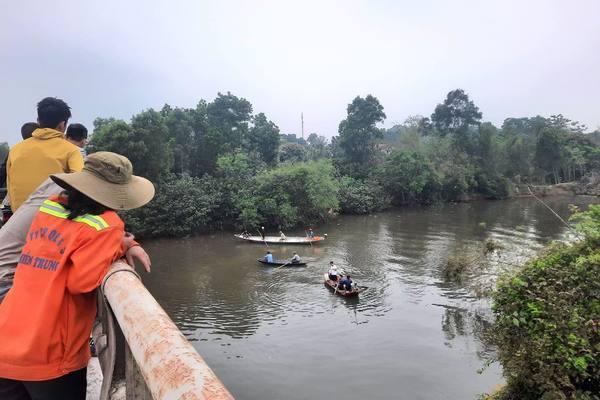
(341, 292)
(279, 240)
(278, 263)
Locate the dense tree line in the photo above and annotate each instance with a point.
(219, 166)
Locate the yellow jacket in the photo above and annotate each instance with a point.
(31, 161)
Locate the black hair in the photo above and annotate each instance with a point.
(77, 132)
(79, 204)
(52, 111)
(28, 128)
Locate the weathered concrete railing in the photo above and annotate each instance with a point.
(171, 368)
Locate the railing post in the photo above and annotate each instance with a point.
(135, 386)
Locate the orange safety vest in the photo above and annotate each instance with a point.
(47, 316)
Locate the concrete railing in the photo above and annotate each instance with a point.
(166, 366)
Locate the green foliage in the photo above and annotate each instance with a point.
(547, 317)
(492, 186)
(456, 114)
(301, 193)
(356, 142)
(264, 139)
(360, 197)
(291, 153)
(144, 141)
(405, 175)
(182, 206)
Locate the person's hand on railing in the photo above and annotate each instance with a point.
(135, 252)
(138, 253)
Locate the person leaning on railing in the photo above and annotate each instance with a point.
(47, 316)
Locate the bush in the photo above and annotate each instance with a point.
(358, 197)
(548, 316)
(295, 194)
(182, 206)
(493, 186)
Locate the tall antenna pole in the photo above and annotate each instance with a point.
(302, 119)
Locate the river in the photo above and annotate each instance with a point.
(280, 334)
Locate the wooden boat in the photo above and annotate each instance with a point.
(278, 240)
(277, 263)
(342, 292)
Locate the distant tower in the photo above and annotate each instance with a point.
(302, 120)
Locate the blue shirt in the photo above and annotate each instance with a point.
(269, 258)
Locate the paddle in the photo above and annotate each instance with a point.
(281, 266)
(263, 238)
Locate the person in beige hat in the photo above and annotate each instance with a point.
(72, 241)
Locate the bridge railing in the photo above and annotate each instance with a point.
(161, 364)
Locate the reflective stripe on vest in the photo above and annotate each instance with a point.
(57, 210)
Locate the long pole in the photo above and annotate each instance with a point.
(302, 120)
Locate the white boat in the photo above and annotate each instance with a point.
(279, 240)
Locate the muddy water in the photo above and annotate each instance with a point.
(280, 334)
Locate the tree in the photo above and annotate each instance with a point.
(264, 139)
(358, 133)
(291, 153)
(549, 151)
(317, 147)
(181, 134)
(293, 194)
(229, 116)
(456, 116)
(404, 175)
(144, 142)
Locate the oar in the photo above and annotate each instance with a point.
(262, 237)
(281, 266)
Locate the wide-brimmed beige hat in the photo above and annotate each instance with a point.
(107, 178)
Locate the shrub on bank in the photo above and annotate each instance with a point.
(547, 325)
(358, 197)
(182, 206)
(296, 194)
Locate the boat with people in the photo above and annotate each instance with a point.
(280, 240)
(281, 263)
(337, 289)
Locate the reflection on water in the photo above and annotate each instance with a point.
(279, 333)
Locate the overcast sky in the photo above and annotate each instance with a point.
(115, 58)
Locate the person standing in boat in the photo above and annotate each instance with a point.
(296, 258)
(262, 232)
(269, 257)
(333, 274)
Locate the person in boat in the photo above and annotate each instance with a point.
(269, 257)
(282, 236)
(262, 232)
(333, 274)
(310, 233)
(345, 283)
(245, 234)
(296, 258)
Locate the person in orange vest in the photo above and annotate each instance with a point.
(47, 316)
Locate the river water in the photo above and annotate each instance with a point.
(413, 334)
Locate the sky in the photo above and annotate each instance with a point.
(116, 58)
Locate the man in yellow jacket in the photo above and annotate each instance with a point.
(31, 161)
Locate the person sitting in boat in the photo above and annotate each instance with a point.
(345, 283)
(245, 234)
(310, 233)
(269, 257)
(333, 274)
(282, 235)
(296, 258)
